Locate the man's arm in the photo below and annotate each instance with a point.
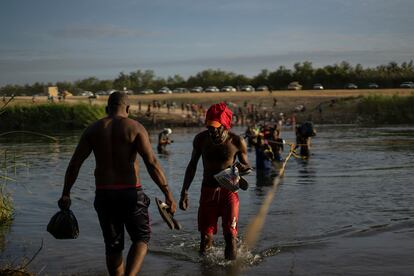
(144, 148)
(242, 155)
(190, 173)
(82, 152)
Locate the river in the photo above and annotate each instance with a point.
(348, 210)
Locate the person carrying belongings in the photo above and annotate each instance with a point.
(276, 143)
(120, 201)
(164, 140)
(219, 148)
(304, 132)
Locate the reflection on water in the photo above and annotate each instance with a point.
(4, 230)
(347, 210)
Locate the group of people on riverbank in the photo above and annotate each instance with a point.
(243, 114)
(120, 201)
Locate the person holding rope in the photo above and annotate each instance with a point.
(120, 201)
(218, 147)
(304, 132)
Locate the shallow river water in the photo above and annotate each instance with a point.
(349, 210)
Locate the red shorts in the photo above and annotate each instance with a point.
(215, 203)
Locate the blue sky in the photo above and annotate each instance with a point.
(56, 40)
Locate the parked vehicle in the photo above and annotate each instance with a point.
(128, 92)
(373, 86)
(351, 86)
(247, 88)
(180, 90)
(317, 86)
(146, 91)
(197, 89)
(262, 88)
(228, 88)
(294, 85)
(86, 93)
(212, 89)
(164, 90)
(407, 84)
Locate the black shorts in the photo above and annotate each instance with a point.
(117, 208)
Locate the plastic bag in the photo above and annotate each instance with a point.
(63, 225)
(229, 178)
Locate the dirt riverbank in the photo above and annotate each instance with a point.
(320, 106)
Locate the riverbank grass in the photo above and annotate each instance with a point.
(6, 206)
(50, 116)
(380, 109)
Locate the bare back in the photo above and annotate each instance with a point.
(114, 143)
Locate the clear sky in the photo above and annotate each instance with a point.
(57, 40)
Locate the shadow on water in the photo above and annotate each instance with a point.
(214, 262)
(306, 172)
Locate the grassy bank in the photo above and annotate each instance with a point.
(378, 106)
(6, 206)
(49, 116)
(387, 109)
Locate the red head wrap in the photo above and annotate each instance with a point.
(219, 114)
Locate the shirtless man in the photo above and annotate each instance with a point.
(164, 140)
(115, 141)
(218, 148)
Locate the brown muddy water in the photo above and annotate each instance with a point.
(349, 210)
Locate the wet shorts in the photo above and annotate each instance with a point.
(119, 208)
(215, 203)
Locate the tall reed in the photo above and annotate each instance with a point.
(387, 109)
(6, 204)
(50, 116)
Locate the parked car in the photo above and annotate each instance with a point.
(407, 84)
(262, 88)
(373, 86)
(128, 92)
(228, 88)
(294, 85)
(247, 88)
(146, 91)
(351, 86)
(86, 93)
(164, 90)
(180, 90)
(101, 93)
(197, 89)
(317, 86)
(212, 89)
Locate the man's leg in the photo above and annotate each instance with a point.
(206, 242)
(135, 258)
(115, 264)
(230, 251)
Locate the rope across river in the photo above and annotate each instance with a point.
(256, 224)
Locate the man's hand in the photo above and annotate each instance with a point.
(64, 203)
(169, 200)
(184, 202)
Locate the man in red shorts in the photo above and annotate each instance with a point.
(218, 148)
(120, 201)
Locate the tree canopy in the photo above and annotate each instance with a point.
(331, 76)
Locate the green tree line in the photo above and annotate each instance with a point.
(331, 77)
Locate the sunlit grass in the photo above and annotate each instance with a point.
(50, 116)
(387, 109)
